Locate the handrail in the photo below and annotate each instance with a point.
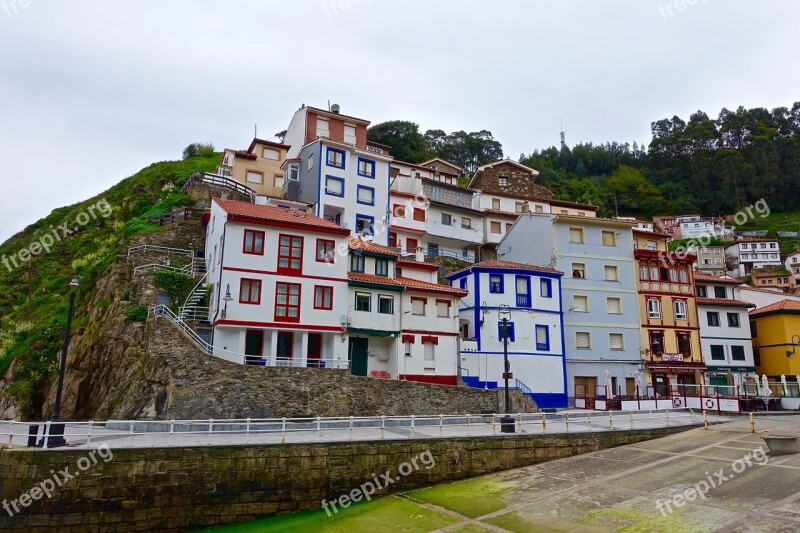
(176, 215)
(191, 293)
(220, 181)
(146, 247)
(188, 270)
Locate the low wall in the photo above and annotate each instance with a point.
(174, 489)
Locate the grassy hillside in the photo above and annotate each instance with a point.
(33, 294)
(774, 223)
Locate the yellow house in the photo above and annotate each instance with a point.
(671, 346)
(258, 167)
(776, 339)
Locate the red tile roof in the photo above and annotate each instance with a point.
(496, 263)
(723, 301)
(405, 194)
(256, 140)
(716, 279)
(431, 287)
(412, 263)
(241, 153)
(268, 213)
(784, 306)
(370, 278)
(359, 244)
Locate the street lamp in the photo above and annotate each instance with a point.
(791, 352)
(227, 298)
(507, 421)
(56, 434)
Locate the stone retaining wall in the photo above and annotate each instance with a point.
(175, 489)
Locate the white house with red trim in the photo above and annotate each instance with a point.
(275, 289)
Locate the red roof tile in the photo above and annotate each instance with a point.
(370, 278)
(723, 301)
(269, 213)
(787, 306)
(360, 244)
(716, 279)
(433, 287)
(496, 263)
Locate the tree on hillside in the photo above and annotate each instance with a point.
(633, 192)
(403, 138)
(467, 150)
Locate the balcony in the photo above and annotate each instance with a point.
(523, 300)
(469, 345)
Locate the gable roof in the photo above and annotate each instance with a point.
(727, 280)
(724, 301)
(241, 153)
(356, 243)
(445, 161)
(256, 141)
(332, 114)
(249, 212)
(784, 306)
(426, 286)
(500, 162)
(498, 264)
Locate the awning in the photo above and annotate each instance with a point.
(430, 338)
(407, 338)
(373, 332)
(671, 369)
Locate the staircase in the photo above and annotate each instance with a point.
(475, 382)
(192, 310)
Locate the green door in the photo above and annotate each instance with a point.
(358, 356)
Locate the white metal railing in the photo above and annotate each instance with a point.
(143, 248)
(194, 268)
(193, 313)
(152, 267)
(159, 433)
(243, 359)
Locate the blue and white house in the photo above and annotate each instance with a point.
(536, 353)
(599, 292)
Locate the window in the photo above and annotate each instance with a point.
(399, 211)
(644, 272)
(442, 308)
(253, 242)
(287, 302)
(505, 329)
(657, 342)
(323, 128)
(310, 162)
(381, 267)
(583, 340)
(366, 195)
(429, 351)
(418, 306)
(521, 207)
(447, 220)
(616, 341)
(366, 168)
(539, 209)
(385, 304)
(412, 245)
(495, 227)
(334, 186)
(496, 283)
(580, 304)
(271, 153)
(701, 291)
(502, 181)
(683, 275)
(323, 297)
(466, 223)
(462, 283)
(508, 226)
(523, 291)
(717, 352)
(546, 288)
(364, 224)
(684, 343)
(363, 301)
(713, 318)
(292, 173)
(419, 214)
(611, 273)
(609, 238)
(325, 251)
(496, 204)
(654, 308)
(277, 180)
(733, 320)
(357, 263)
(614, 306)
(335, 157)
(250, 291)
(349, 134)
(681, 312)
(719, 292)
(542, 338)
(579, 270)
(290, 254)
(254, 177)
(576, 235)
(737, 353)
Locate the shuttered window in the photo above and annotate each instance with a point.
(616, 341)
(583, 340)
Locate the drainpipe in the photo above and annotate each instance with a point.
(219, 283)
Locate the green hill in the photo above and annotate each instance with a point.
(33, 293)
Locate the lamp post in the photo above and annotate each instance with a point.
(791, 352)
(507, 421)
(227, 298)
(56, 435)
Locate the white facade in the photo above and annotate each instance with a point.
(755, 253)
(762, 297)
(793, 265)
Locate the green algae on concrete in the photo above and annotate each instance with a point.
(383, 515)
(472, 497)
(630, 520)
(470, 528)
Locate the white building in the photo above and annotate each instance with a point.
(725, 339)
(754, 253)
(793, 265)
(535, 330)
(762, 297)
(695, 227)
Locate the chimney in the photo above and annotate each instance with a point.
(335, 108)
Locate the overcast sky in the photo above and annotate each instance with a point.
(92, 91)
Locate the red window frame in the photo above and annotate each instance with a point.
(289, 255)
(242, 292)
(419, 214)
(254, 233)
(285, 289)
(409, 241)
(393, 239)
(424, 305)
(328, 249)
(449, 307)
(394, 211)
(324, 288)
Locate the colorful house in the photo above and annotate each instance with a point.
(259, 167)
(776, 340)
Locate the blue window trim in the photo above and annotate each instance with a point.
(358, 190)
(462, 283)
(549, 283)
(528, 294)
(546, 346)
(371, 162)
(502, 284)
(510, 331)
(371, 224)
(335, 179)
(344, 157)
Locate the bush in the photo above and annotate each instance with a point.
(137, 313)
(139, 227)
(177, 285)
(198, 149)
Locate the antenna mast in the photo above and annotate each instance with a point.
(563, 136)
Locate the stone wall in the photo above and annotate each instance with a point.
(520, 182)
(176, 489)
